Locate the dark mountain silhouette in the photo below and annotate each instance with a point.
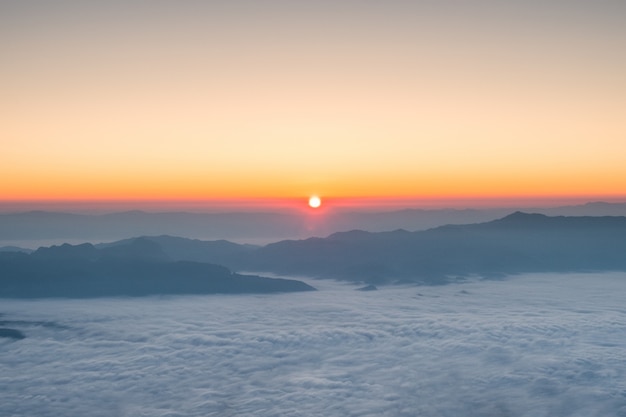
(182, 249)
(516, 243)
(139, 267)
(84, 251)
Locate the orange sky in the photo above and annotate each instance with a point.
(230, 100)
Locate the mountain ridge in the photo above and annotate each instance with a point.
(520, 242)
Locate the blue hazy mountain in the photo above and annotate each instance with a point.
(43, 225)
(20, 228)
(14, 249)
(516, 243)
(137, 268)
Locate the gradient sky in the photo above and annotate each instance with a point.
(263, 99)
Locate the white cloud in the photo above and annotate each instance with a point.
(535, 345)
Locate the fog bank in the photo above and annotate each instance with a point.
(531, 345)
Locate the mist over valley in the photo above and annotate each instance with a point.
(531, 345)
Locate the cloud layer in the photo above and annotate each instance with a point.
(534, 345)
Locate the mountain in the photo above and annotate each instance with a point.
(517, 243)
(138, 268)
(182, 249)
(37, 228)
(14, 249)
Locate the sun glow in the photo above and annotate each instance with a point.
(315, 201)
(93, 114)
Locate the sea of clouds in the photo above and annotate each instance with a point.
(532, 345)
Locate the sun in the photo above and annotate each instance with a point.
(314, 201)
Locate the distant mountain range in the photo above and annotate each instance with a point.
(42, 225)
(517, 243)
(29, 228)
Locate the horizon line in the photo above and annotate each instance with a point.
(298, 204)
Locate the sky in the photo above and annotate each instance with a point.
(267, 100)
